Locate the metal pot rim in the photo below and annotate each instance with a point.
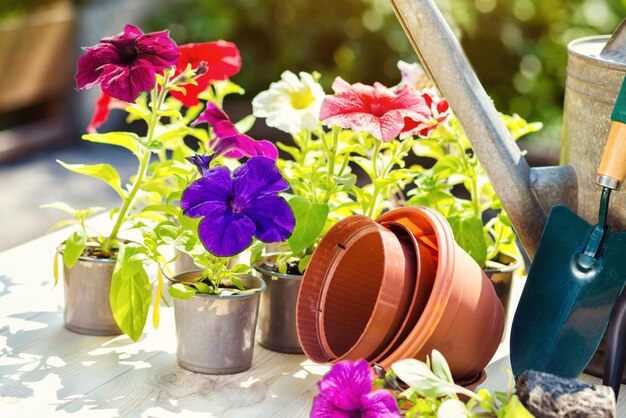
(510, 267)
(262, 287)
(92, 243)
(258, 266)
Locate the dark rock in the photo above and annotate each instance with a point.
(546, 395)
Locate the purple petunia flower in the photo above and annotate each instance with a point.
(239, 207)
(229, 141)
(346, 392)
(126, 64)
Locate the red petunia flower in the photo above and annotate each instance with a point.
(221, 58)
(439, 112)
(381, 111)
(126, 64)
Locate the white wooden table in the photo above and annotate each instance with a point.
(48, 371)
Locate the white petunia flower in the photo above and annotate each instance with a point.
(414, 76)
(291, 104)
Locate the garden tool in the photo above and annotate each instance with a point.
(577, 275)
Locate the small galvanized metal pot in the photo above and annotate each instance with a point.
(86, 287)
(502, 278)
(277, 314)
(216, 333)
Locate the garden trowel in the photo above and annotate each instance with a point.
(577, 275)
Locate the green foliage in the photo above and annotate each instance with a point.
(310, 221)
(433, 393)
(457, 186)
(131, 291)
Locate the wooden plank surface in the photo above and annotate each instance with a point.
(50, 371)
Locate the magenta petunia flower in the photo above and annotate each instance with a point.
(239, 207)
(376, 109)
(126, 64)
(346, 391)
(229, 141)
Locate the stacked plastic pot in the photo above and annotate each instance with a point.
(396, 288)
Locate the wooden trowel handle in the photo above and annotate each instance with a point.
(612, 170)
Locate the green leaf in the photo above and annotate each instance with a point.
(155, 145)
(310, 221)
(446, 166)
(245, 124)
(127, 140)
(59, 205)
(74, 247)
(428, 148)
(104, 172)
(440, 367)
(468, 233)
(135, 113)
(131, 292)
(240, 269)
(202, 287)
(181, 291)
(226, 87)
(515, 409)
(347, 181)
(170, 113)
(418, 376)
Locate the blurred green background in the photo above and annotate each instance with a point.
(517, 47)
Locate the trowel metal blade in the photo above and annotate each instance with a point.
(564, 309)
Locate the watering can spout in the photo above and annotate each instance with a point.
(526, 193)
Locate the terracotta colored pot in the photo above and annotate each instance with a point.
(426, 269)
(463, 318)
(355, 292)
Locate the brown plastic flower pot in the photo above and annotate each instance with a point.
(355, 292)
(463, 318)
(426, 269)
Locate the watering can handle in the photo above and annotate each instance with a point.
(612, 170)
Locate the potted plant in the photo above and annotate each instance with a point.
(216, 307)
(457, 186)
(332, 135)
(107, 286)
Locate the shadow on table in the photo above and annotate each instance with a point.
(43, 359)
(62, 370)
(6, 283)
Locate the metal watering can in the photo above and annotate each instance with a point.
(526, 193)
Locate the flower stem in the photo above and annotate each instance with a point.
(374, 177)
(157, 101)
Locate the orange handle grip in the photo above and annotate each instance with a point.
(613, 162)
